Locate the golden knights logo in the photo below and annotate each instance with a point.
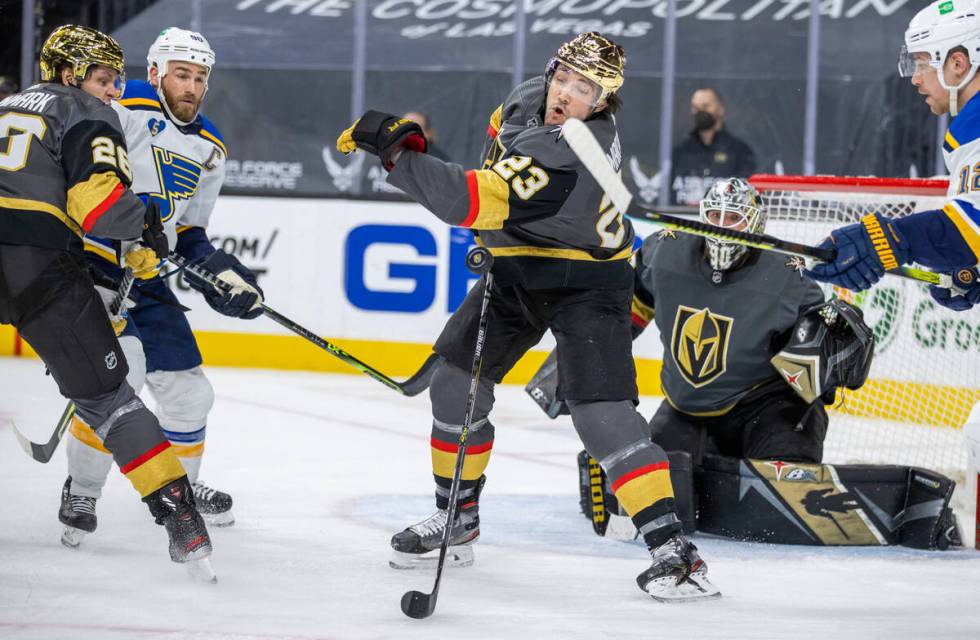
(178, 176)
(700, 344)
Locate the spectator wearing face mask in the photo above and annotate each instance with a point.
(709, 153)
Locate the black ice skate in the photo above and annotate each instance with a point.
(417, 547)
(214, 505)
(173, 507)
(77, 513)
(678, 573)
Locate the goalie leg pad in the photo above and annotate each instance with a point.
(927, 520)
(617, 436)
(796, 503)
(599, 504)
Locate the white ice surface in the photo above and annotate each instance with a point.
(324, 468)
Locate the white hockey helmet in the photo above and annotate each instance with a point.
(732, 203)
(937, 30)
(176, 44)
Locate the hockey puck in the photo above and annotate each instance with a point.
(479, 260)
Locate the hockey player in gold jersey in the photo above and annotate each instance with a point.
(66, 173)
(561, 262)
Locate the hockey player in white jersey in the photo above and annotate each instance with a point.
(178, 160)
(941, 56)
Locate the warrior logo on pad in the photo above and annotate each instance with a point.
(699, 344)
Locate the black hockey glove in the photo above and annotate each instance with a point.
(383, 135)
(154, 236)
(242, 300)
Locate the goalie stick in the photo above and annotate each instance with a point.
(415, 385)
(43, 452)
(587, 148)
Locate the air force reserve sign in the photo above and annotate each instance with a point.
(699, 344)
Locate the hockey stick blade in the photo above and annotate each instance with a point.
(418, 605)
(587, 148)
(43, 452)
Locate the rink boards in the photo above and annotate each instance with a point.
(381, 278)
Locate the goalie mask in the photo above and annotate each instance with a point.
(731, 204)
(830, 347)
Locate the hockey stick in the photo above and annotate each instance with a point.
(43, 452)
(415, 385)
(587, 148)
(416, 604)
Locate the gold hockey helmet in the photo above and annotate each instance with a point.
(594, 56)
(80, 48)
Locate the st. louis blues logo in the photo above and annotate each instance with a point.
(178, 176)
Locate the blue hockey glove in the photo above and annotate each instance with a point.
(968, 281)
(865, 250)
(243, 300)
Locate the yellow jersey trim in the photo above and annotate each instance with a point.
(139, 102)
(210, 136)
(965, 226)
(553, 252)
(951, 141)
(44, 207)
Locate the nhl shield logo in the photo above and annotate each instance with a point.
(700, 344)
(111, 361)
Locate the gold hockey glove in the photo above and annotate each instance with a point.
(142, 260)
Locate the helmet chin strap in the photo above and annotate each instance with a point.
(954, 92)
(166, 107)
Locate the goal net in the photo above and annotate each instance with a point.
(925, 377)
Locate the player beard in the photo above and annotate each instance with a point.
(184, 107)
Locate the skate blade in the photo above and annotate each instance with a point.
(695, 587)
(72, 537)
(225, 519)
(202, 570)
(458, 556)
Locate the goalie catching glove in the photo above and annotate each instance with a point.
(830, 347)
(384, 135)
(244, 298)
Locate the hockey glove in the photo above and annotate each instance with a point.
(384, 135)
(154, 235)
(865, 250)
(243, 300)
(968, 283)
(142, 260)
